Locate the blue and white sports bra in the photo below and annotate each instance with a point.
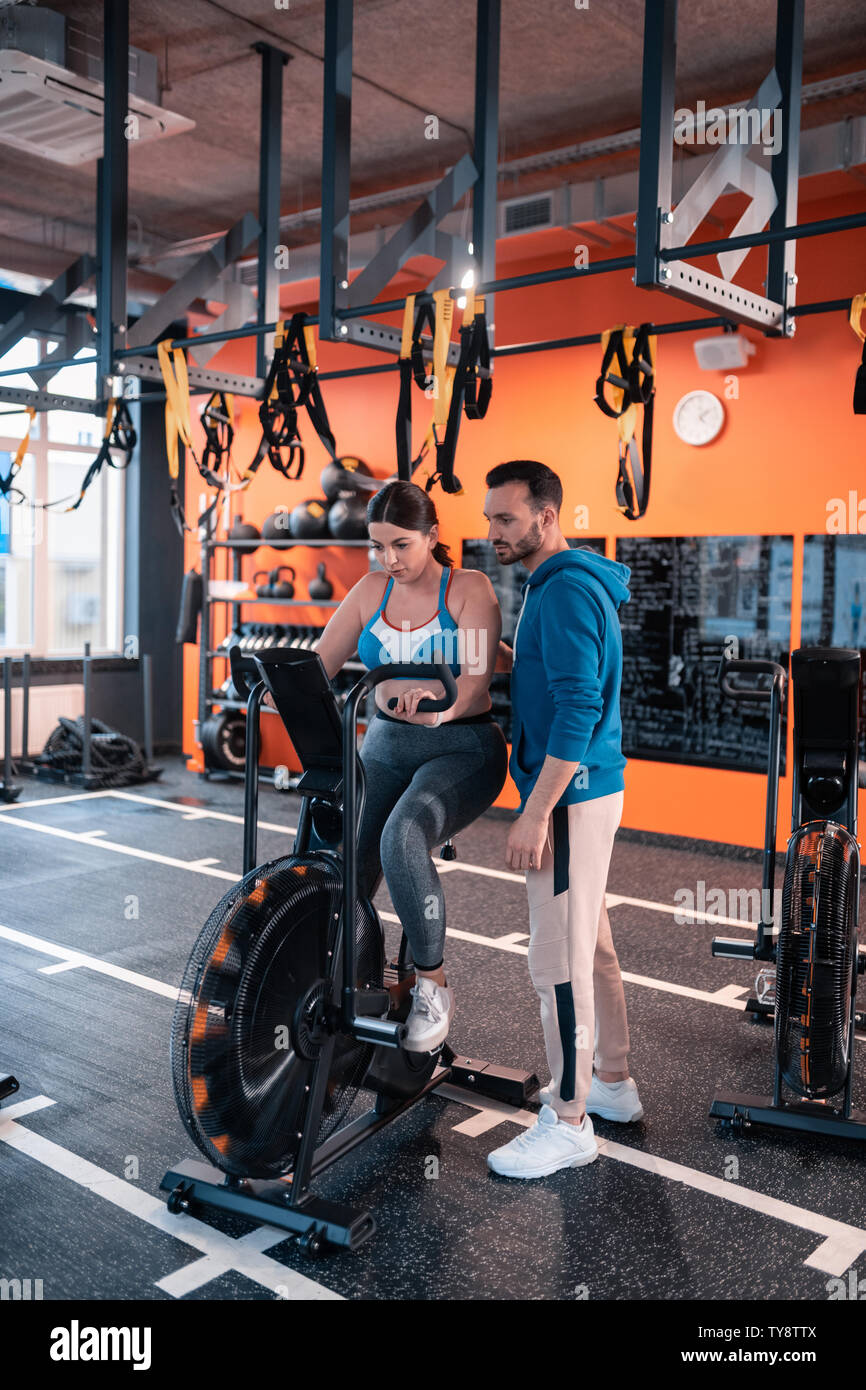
(433, 643)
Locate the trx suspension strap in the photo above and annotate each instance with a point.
(630, 385)
(119, 434)
(177, 422)
(292, 383)
(11, 494)
(470, 391)
(857, 304)
(217, 419)
(437, 318)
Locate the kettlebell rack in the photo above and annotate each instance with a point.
(210, 697)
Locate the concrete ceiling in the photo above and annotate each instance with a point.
(567, 75)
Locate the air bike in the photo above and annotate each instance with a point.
(283, 1013)
(813, 943)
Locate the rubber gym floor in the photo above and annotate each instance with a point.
(103, 895)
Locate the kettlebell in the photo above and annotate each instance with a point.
(243, 531)
(321, 587)
(276, 526)
(264, 590)
(282, 588)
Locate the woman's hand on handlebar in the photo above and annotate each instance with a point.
(407, 707)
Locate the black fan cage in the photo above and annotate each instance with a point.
(239, 1082)
(816, 959)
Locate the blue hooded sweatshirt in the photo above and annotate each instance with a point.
(565, 682)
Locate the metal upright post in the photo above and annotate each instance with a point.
(656, 138)
(486, 152)
(86, 751)
(336, 146)
(270, 147)
(7, 791)
(147, 701)
(112, 193)
(782, 256)
(25, 712)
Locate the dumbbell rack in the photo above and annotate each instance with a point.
(208, 696)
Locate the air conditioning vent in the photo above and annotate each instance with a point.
(527, 214)
(48, 111)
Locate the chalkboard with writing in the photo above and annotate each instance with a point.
(690, 596)
(834, 587)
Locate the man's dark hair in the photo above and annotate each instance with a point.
(545, 489)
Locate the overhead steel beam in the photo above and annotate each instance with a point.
(47, 400)
(484, 204)
(782, 257)
(112, 192)
(195, 283)
(77, 334)
(663, 231)
(270, 179)
(656, 137)
(417, 235)
(336, 164)
(42, 311)
(148, 368)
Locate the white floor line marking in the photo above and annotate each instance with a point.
(186, 812)
(132, 977)
(61, 966)
(83, 839)
(92, 834)
(193, 1276)
(200, 813)
(611, 899)
(24, 1107)
(226, 1252)
(55, 800)
(202, 863)
(102, 967)
(842, 1245)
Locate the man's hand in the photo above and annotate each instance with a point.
(526, 841)
(504, 657)
(407, 707)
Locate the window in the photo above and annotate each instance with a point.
(61, 572)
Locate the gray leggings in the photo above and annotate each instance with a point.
(423, 785)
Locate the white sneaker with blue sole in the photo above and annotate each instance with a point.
(549, 1145)
(610, 1100)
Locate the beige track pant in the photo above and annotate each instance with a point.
(572, 961)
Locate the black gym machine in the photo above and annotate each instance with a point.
(283, 1014)
(813, 940)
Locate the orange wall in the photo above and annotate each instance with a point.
(790, 443)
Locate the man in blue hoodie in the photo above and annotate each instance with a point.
(567, 764)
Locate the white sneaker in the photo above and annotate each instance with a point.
(430, 1016)
(549, 1145)
(611, 1100)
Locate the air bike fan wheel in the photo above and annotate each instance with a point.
(245, 1028)
(817, 959)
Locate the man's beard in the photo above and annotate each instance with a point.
(527, 545)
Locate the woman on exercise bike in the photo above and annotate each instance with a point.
(427, 775)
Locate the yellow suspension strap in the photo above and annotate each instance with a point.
(618, 394)
(12, 494)
(469, 391)
(436, 317)
(119, 434)
(292, 384)
(857, 305)
(172, 363)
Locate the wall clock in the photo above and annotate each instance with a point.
(698, 417)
